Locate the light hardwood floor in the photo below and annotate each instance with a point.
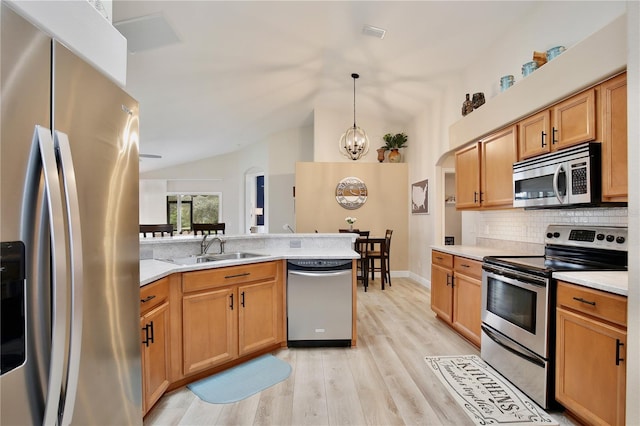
(383, 381)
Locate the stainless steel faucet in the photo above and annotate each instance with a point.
(204, 245)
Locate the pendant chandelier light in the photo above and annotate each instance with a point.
(354, 143)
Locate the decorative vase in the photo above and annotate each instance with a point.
(394, 156)
(351, 227)
(381, 154)
(467, 106)
(477, 100)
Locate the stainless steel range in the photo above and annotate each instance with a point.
(518, 302)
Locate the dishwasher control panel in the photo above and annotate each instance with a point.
(319, 264)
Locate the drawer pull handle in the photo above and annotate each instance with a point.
(581, 300)
(237, 275)
(618, 345)
(464, 265)
(439, 257)
(146, 299)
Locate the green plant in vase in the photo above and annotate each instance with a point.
(393, 143)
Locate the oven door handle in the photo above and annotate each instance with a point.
(515, 275)
(513, 347)
(556, 178)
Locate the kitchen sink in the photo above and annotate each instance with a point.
(204, 258)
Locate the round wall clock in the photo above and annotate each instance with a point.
(351, 193)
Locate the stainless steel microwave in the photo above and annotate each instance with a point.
(567, 178)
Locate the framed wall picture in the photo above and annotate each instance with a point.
(420, 197)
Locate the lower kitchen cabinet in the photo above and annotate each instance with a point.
(258, 316)
(209, 329)
(441, 288)
(456, 293)
(591, 354)
(467, 298)
(231, 312)
(154, 324)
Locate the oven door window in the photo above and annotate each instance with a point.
(512, 303)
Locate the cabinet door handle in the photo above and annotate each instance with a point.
(475, 196)
(242, 299)
(237, 275)
(146, 299)
(148, 334)
(581, 300)
(618, 345)
(231, 305)
(553, 137)
(448, 282)
(542, 136)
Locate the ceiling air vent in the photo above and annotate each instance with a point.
(372, 31)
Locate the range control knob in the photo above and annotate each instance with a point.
(610, 238)
(620, 240)
(556, 235)
(600, 237)
(549, 235)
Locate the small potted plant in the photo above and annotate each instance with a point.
(393, 143)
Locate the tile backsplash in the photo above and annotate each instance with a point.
(529, 226)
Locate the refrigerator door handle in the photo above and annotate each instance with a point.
(61, 143)
(42, 165)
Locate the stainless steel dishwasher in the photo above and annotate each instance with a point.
(319, 302)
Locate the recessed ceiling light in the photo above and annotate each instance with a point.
(372, 31)
(146, 32)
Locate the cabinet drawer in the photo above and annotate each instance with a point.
(152, 295)
(607, 306)
(442, 259)
(469, 267)
(211, 278)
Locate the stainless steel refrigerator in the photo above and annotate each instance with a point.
(69, 237)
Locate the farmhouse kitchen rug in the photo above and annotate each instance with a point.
(242, 381)
(483, 394)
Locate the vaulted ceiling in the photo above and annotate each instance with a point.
(239, 71)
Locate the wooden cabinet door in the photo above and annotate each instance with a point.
(466, 307)
(499, 152)
(588, 381)
(574, 120)
(442, 292)
(468, 177)
(534, 135)
(209, 328)
(258, 316)
(612, 132)
(155, 354)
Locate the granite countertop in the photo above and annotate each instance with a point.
(616, 282)
(610, 281)
(155, 269)
(476, 252)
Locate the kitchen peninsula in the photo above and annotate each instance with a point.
(198, 318)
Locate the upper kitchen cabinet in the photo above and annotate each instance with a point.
(468, 177)
(484, 171)
(565, 124)
(612, 132)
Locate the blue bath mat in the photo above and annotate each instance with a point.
(241, 381)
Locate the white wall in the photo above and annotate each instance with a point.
(330, 124)
(275, 157)
(633, 314)
(153, 202)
